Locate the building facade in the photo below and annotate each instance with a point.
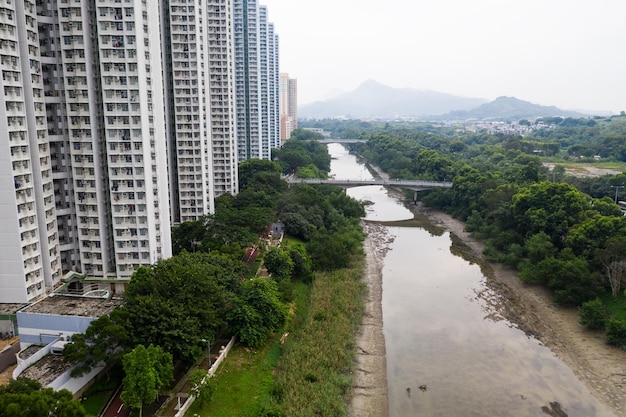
(256, 81)
(288, 105)
(30, 247)
(118, 119)
(201, 105)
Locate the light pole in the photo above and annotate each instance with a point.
(208, 342)
(617, 187)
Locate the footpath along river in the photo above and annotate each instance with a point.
(449, 352)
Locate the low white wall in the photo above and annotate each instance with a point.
(185, 406)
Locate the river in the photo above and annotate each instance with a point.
(448, 351)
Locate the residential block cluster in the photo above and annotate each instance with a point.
(119, 119)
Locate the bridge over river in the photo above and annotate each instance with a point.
(415, 185)
(329, 140)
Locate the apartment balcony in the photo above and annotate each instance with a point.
(29, 238)
(31, 266)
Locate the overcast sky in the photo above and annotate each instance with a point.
(567, 53)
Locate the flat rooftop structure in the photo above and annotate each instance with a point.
(67, 305)
(10, 309)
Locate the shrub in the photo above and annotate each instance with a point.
(616, 332)
(593, 314)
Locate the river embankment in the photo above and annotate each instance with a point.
(369, 389)
(602, 368)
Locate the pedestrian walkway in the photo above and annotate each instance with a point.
(115, 407)
(180, 392)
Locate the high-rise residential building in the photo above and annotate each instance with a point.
(30, 247)
(256, 81)
(105, 67)
(85, 143)
(288, 105)
(221, 74)
(201, 111)
(119, 119)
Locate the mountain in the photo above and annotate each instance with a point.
(372, 99)
(510, 108)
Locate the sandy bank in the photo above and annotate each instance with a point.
(601, 367)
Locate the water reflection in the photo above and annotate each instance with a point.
(442, 334)
(436, 335)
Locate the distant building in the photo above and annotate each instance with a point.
(256, 81)
(199, 77)
(288, 106)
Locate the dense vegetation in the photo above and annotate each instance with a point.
(209, 288)
(559, 231)
(532, 218)
(26, 398)
(303, 158)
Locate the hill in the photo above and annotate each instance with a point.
(372, 99)
(511, 108)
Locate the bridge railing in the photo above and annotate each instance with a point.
(396, 182)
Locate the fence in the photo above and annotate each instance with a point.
(222, 356)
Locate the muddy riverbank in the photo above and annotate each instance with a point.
(601, 367)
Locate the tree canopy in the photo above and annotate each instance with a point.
(24, 397)
(147, 371)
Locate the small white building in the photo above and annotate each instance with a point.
(46, 326)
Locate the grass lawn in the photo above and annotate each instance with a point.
(97, 395)
(580, 166)
(311, 373)
(243, 383)
(95, 402)
(617, 305)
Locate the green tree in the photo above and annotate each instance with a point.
(613, 258)
(260, 174)
(201, 386)
(332, 250)
(568, 276)
(278, 263)
(178, 301)
(549, 207)
(297, 225)
(188, 236)
(147, 371)
(257, 312)
(593, 314)
(104, 342)
(306, 134)
(302, 265)
(25, 398)
(590, 234)
(615, 332)
(295, 155)
(539, 246)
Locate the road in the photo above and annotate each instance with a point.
(116, 408)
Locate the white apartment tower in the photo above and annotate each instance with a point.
(221, 112)
(102, 66)
(29, 240)
(256, 81)
(273, 87)
(201, 110)
(119, 118)
(269, 82)
(288, 105)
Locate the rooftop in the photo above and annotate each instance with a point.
(47, 369)
(6, 308)
(67, 305)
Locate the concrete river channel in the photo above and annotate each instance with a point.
(442, 335)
